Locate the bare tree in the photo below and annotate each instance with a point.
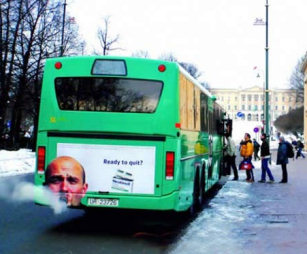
(297, 81)
(29, 33)
(191, 69)
(141, 54)
(168, 57)
(205, 85)
(293, 122)
(105, 39)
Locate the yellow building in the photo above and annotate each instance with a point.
(251, 101)
(304, 71)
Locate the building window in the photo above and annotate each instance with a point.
(276, 107)
(262, 117)
(283, 107)
(256, 97)
(256, 108)
(249, 117)
(249, 97)
(276, 98)
(228, 107)
(243, 97)
(243, 107)
(283, 98)
(249, 107)
(236, 98)
(236, 107)
(257, 117)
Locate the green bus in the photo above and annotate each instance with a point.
(126, 133)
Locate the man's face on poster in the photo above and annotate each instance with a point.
(66, 176)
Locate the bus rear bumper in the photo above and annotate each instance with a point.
(162, 203)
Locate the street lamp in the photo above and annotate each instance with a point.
(267, 116)
(63, 28)
(266, 91)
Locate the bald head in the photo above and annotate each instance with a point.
(66, 175)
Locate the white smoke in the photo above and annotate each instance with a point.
(24, 192)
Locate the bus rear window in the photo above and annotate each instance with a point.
(108, 94)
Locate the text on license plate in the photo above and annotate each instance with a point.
(102, 202)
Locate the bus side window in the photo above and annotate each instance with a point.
(203, 112)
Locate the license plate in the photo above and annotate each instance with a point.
(102, 202)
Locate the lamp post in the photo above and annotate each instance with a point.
(267, 115)
(266, 89)
(63, 28)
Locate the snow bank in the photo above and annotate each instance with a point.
(16, 162)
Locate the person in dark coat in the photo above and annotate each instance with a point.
(282, 159)
(256, 149)
(299, 148)
(265, 157)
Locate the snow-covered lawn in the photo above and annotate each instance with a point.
(16, 162)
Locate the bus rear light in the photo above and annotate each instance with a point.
(170, 161)
(41, 152)
(178, 125)
(162, 68)
(58, 65)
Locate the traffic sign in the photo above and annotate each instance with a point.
(240, 114)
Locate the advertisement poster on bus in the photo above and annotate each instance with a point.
(112, 168)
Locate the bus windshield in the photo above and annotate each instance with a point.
(107, 94)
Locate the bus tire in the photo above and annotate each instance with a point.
(195, 196)
(202, 186)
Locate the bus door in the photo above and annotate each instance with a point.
(210, 141)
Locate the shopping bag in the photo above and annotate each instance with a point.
(245, 165)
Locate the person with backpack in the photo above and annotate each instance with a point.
(256, 149)
(299, 148)
(282, 158)
(265, 157)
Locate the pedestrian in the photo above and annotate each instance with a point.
(256, 149)
(246, 151)
(282, 158)
(299, 148)
(230, 157)
(265, 157)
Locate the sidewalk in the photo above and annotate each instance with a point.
(279, 210)
(253, 218)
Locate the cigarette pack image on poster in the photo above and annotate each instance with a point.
(123, 181)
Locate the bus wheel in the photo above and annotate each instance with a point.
(202, 184)
(196, 193)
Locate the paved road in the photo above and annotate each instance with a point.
(28, 228)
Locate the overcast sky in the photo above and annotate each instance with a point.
(218, 36)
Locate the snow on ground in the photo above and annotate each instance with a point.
(16, 162)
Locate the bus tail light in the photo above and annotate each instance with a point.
(170, 162)
(41, 159)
